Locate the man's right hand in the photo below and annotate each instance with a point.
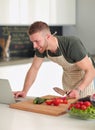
(19, 94)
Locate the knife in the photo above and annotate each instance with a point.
(61, 91)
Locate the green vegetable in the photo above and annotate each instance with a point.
(89, 113)
(39, 100)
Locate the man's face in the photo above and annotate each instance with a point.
(39, 41)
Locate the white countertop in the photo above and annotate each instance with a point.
(13, 119)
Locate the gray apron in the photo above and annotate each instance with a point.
(72, 76)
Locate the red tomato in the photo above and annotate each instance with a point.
(71, 105)
(77, 105)
(83, 107)
(65, 101)
(49, 102)
(81, 102)
(87, 103)
(63, 98)
(56, 101)
(60, 100)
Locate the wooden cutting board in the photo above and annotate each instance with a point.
(42, 108)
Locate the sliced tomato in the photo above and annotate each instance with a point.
(49, 102)
(56, 102)
(60, 100)
(65, 101)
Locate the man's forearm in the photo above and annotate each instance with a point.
(29, 80)
(89, 76)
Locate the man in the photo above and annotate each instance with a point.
(68, 52)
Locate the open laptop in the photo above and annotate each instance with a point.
(6, 94)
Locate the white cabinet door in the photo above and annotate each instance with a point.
(4, 12)
(63, 12)
(39, 10)
(53, 12)
(25, 12)
(9, 12)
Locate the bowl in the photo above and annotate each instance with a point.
(87, 114)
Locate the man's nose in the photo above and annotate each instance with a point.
(34, 45)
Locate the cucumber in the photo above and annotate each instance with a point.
(39, 100)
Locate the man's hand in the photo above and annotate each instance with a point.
(74, 94)
(19, 94)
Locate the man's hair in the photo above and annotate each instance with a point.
(37, 27)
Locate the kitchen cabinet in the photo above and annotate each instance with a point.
(63, 12)
(22, 12)
(48, 77)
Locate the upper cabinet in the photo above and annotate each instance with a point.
(63, 12)
(24, 12)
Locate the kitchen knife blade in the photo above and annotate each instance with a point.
(61, 91)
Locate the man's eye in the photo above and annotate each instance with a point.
(38, 42)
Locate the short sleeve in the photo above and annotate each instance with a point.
(77, 51)
(38, 54)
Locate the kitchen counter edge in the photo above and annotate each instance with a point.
(17, 61)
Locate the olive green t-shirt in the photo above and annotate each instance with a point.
(70, 47)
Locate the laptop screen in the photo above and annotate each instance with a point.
(6, 95)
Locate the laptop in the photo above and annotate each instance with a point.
(6, 94)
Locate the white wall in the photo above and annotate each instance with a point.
(85, 24)
(49, 76)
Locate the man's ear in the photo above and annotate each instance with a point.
(48, 36)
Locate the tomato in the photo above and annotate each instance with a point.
(83, 107)
(80, 105)
(77, 105)
(65, 101)
(56, 102)
(81, 102)
(63, 98)
(60, 100)
(87, 103)
(71, 105)
(49, 102)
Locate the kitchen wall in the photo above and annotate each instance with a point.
(85, 24)
(14, 41)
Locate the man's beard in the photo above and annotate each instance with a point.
(44, 48)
